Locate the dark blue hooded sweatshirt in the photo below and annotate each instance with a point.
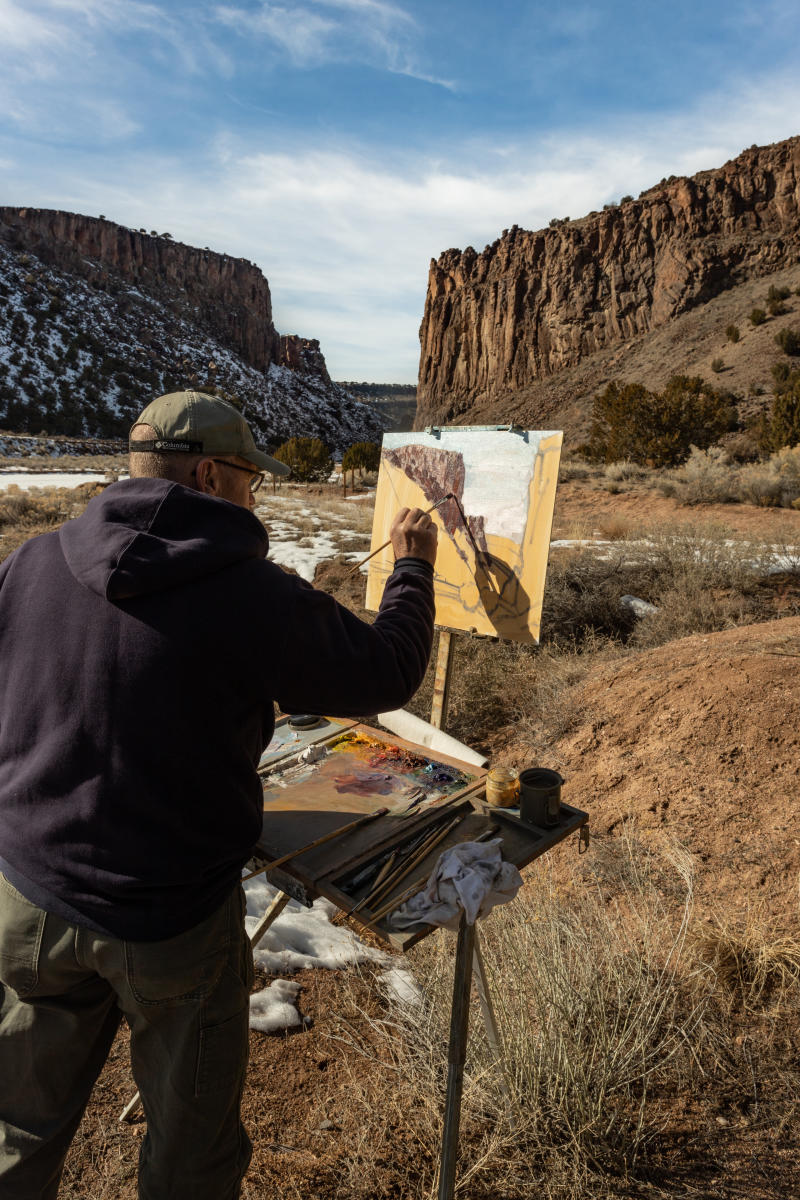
(141, 649)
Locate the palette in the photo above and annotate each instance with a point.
(287, 741)
(362, 769)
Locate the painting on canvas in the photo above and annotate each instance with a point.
(494, 535)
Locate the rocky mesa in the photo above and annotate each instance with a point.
(534, 304)
(228, 296)
(96, 317)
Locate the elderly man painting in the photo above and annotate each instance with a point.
(141, 649)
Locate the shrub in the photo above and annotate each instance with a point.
(778, 293)
(785, 422)
(776, 308)
(717, 365)
(732, 333)
(619, 471)
(705, 478)
(789, 341)
(658, 429)
(757, 316)
(309, 458)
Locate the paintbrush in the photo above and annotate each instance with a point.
(406, 867)
(359, 565)
(396, 902)
(320, 841)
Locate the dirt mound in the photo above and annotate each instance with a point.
(700, 740)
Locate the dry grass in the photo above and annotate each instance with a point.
(609, 1010)
(751, 960)
(113, 463)
(709, 477)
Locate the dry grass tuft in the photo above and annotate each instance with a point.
(751, 961)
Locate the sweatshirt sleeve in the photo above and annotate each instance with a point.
(332, 662)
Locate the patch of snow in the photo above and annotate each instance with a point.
(303, 937)
(401, 986)
(48, 479)
(639, 607)
(273, 1008)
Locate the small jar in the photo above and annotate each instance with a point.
(502, 787)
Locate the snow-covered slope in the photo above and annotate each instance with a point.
(79, 357)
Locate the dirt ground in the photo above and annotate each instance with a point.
(695, 741)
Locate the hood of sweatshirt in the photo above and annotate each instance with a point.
(144, 535)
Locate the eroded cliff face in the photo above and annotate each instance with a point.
(227, 296)
(534, 303)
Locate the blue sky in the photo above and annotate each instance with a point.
(342, 144)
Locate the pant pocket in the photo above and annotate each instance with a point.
(182, 969)
(222, 1056)
(21, 929)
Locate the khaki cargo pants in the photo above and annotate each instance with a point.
(63, 992)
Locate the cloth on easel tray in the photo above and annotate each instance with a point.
(471, 876)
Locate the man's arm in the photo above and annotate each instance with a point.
(332, 662)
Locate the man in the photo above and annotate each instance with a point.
(141, 649)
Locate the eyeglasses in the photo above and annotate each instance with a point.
(256, 478)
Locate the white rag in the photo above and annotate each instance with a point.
(471, 876)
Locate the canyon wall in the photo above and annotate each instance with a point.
(533, 304)
(227, 296)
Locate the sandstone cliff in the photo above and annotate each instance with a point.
(535, 304)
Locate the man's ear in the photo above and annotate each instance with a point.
(206, 476)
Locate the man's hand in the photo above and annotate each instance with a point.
(414, 535)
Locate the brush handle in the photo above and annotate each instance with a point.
(327, 837)
(359, 565)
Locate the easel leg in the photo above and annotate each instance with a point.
(457, 1052)
(441, 679)
(274, 910)
(490, 1021)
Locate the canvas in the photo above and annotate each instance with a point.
(494, 536)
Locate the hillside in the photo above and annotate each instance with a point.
(96, 319)
(532, 326)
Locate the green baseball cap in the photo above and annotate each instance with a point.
(196, 423)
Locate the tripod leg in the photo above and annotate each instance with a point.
(457, 1051)
(490, 1021)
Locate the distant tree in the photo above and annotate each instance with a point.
(776, 307)
(757, 316)
(309, 458)
(362, 456)
(732, 333)
(658, 428)
(779, 293)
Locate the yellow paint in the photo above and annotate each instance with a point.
(505, 599)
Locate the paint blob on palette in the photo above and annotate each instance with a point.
(360, 773)
(287, 740)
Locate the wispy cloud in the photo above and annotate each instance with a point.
(372, 32)
(345, 232)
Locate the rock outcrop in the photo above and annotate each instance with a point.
(533, 304)
(227, 296)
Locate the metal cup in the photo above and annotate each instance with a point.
(540, 796)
